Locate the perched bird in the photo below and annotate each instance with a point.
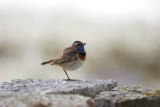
(71, 58)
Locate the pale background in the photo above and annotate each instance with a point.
(122, 36)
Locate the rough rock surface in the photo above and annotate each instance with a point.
(77, 93)
(37, 100)
(81, 87)
(129, 96)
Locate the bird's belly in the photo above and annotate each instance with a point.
(74, 65)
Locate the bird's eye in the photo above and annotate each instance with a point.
(78, 44)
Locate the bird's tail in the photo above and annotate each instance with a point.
(47, 62)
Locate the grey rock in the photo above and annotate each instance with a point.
(129, 96)
(38, 100)
(82, 87)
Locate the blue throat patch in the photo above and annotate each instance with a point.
(80, 49)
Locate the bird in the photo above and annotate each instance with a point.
(71, 58)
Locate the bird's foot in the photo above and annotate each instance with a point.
(70, 79)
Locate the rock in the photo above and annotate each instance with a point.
(38, 100)
(82, 87)
(129, 96)
(77, 93)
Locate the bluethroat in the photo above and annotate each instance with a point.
(71, 58)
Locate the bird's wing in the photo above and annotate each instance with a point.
(67, 55)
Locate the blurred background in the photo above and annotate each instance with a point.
(122, 36)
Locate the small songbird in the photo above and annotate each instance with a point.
(71, 58)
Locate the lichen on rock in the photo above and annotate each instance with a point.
(129, 96)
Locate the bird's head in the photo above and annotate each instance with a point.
(79, 45)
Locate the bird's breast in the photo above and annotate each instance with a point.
(82, 56)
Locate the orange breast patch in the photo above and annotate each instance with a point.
(81, 57)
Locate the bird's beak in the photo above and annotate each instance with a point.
(84, 43)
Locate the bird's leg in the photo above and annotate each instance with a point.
(67, 75)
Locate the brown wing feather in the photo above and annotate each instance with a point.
(66, 55)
